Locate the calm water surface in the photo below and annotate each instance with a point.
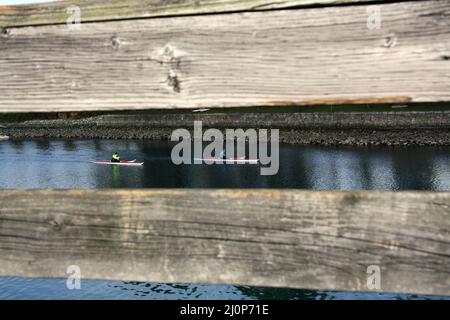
(64, 164)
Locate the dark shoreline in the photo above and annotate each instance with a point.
(346, 128)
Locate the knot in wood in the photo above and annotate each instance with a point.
(5, 32)
(390, 41)
(115, 43)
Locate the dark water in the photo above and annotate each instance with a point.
(46, 289)
(64, 164)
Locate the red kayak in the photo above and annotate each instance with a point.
(229, 160)
(121, 163)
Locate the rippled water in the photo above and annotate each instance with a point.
(47, 289)
(64, 164)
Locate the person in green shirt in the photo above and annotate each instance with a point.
(115, 157)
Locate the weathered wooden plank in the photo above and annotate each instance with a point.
(306, 57)
(56, 12)
(287, 238)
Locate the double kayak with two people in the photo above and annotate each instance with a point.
(222, 158)
(228, 160)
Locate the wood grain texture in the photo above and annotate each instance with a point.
(312, 56)
(100, 10)
(285, 238)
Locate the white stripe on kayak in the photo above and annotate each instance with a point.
(119, 163)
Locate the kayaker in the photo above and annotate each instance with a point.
(222, 155)
(115, 157)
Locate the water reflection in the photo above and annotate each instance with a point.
(69, 145)
(116, 176)
(65, 164)
(17, 145)
(43, 145)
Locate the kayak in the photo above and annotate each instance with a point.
(121, 163)
(229, 160)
